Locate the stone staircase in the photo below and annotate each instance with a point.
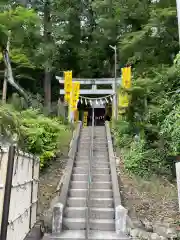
(101, 203)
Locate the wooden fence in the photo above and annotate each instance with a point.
(19, 176)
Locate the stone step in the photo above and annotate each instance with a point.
(86, 157)
(94, 193)
(100, 164)
(74, 223)
(95, 170)
(80, 224)
(101, 177)
(80, 193)
(100, 129)
(101, 158)
(102, 224)
(101, 185)
(83, 151)
(79, 184)
(85, 136)
(101, 193)
(100, 170)
(102, 213)
(84, 145)
(98, 154)
(101, 203)
(76, 202)
(86, 148)
(80, 170)
(100, 150)
(81, 163)
(80, 157)
(99, 146)
(67, 235)
(75, 212)
(95, 213)
(95, 160)
(93, 235)
(86, 130)
(84, 141)
(100, 138)
(79, 177)
(99, 133)
(106, 235)
(100, 143)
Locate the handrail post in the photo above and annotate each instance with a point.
(7, 194)
(89, 175)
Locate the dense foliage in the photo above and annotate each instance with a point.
(48, 37)
(149, 131)
(33, 132)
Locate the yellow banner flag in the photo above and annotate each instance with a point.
(85, 119)
(126, 77)
(74, 95)
(73, 100)
(73, 105)
(67, 85)
(76, 90)
(67, 97)
(123, 100)
(68, 81)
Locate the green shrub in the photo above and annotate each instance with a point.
(144, 162)
(45, 157)
(170, 131)
(34, 132)
(122, 127)
(122, 134)
(124, 141)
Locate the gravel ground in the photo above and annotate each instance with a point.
(153, 200)
(51, 175)
(49, 180)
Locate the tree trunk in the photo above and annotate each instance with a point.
(4, 93)
(47, 89)
(48, 63)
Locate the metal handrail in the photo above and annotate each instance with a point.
(90, 175)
